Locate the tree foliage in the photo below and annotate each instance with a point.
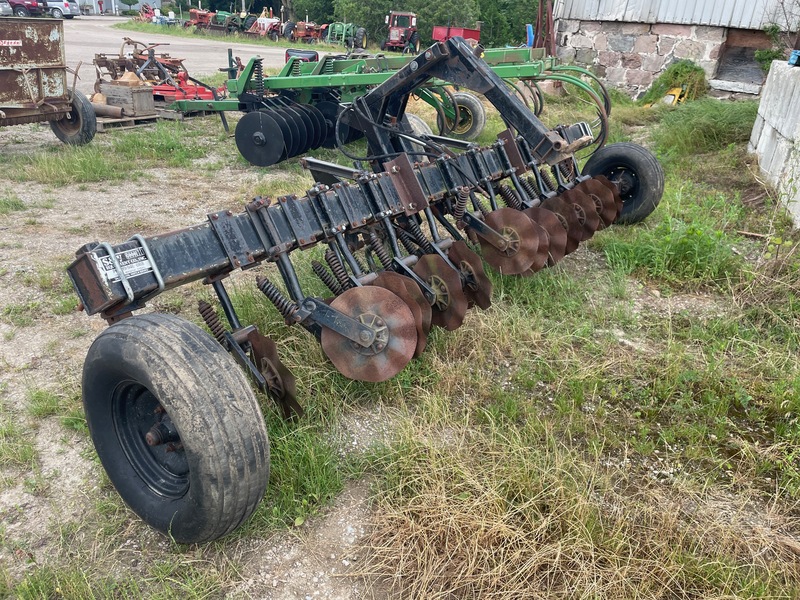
(503, 21)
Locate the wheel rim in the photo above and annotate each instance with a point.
(163, 467)
(465, 120)
(71, 122)
(626, 180)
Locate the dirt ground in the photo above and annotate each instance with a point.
(318, 560)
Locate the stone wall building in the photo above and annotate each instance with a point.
(630, 42)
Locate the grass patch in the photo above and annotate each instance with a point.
(16, 447)
(705, 126)
(10, 203)
(64, 164)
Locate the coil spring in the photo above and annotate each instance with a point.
(408, 242)
(379, 249)
(567, 169)
(212, 321)
(258, 77)
(419, 237)
(326, 277)
(335, 263)
(285, 306)
(328, 67)
(530, 187)
(461, 203)
(547, 178)
(509, 196)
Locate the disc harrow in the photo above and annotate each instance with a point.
(404, 246)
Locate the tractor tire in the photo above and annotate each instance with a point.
(637, 173)
(21, 11)
(413, 43)
(77, 127)
(248, 23)
(204, 471)
(273, 35)
(360, 39)
(471, 118)
(288, 30)
(418, 126)
(384, 43)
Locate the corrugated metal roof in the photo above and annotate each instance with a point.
(743, 14)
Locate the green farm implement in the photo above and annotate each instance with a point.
(297, 110)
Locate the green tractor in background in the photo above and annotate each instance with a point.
(347, 35)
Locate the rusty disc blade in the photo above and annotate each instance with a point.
(567, 213)
(396, 283)
(282, 384)
(450, 304)
(395, 341)
(523, 244)
(471, 265)
(586, 211)
(556, 232)
(608, 206)
(425, 307)
(542, 254)
(614, 190)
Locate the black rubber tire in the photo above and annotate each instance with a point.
(413, 42)
(288, 30)
(360, 38)
(273, 35)
(248, 22)
(69, 16)
(417, 125)
(471, 118)
(79, 126)
(57, 13)
(383, 45)
(637, 173)
(21, 11)
(214, 481)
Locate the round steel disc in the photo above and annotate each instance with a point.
(614, 190)
(608, 206)
(556, 232)
(296, 121)
(542, 254)
(416, 293)
(396, 283)
(330, 110)
(472, 265)
(317, 124)
(289, 128)
(396, 335)
(567, 212)
(586, 210)
(451, 302)
(260, 139)
(523, 243)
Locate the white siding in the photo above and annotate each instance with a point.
(743, 14)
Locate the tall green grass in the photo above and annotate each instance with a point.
(705, 126)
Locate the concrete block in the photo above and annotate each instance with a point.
(568, 25)
(735, 86)
(755, 134)
(780, 98)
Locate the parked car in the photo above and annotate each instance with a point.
(26, 8)
(5, 9)
(61, 9)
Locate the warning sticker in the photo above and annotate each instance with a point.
(133, 263)
(7, 43)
